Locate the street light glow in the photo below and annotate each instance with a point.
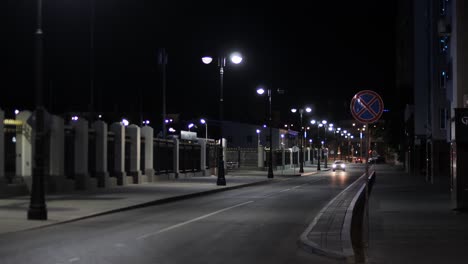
(236, 58)
(203, 121)
(308, 109)
(294, 110)
(207, 60)
(260, 91)
(313, 121)
(258, 131)
(125, 122)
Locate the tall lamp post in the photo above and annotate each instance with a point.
(301, 153)
(236, 58)
(261, 91)
(203, 121)
(325, 157)
(37, 206)
(313, 122)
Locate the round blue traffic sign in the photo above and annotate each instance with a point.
(367, 106)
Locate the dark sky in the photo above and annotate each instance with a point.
(321, 53)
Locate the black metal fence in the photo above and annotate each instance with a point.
(70, 152)
(111, 153)
(189, 157)
(163, 156)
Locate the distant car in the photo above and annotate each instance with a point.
(358, 160)
(339, 165)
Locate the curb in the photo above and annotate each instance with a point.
(347, 252)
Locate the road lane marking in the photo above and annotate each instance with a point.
(73, 259)
(285, 190)
(191, 221)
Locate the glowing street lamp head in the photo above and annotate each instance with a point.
(308, 109)
(260, 91)
(313, 121)
(203, 121)
(324, 122)
(294, 110)
(236, 58)
(190, 125)
(258, 131)
(125, 122)
(16, 111)
(207, 60)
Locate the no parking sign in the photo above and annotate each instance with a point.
(367, 106)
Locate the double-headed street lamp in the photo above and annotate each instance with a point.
(235, 58)
(301, 154)
(261, 91)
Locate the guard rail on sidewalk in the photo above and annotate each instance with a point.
(339, 229)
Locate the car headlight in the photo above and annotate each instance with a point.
(342, 166)
(334, 165)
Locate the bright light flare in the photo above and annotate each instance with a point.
(236, 58)
(207, 60)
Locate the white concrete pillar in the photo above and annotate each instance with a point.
(102, 172)
(203, 163)
(176, 158)
(83, 180)
(147, 133)
(133, 131)
(2, 152)
(260, 154)
(56, 179)
(283, 157)
(291, 163)
(24, 159)
(119, 153)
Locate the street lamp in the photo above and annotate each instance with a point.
(313, 122)
(301, 154)
(261, 91)
(37, 207)
(235, 58)
(190, 126)
(203, 121)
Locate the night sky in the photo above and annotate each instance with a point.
(321, 53)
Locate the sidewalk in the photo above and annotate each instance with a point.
(83, 204)
(412, 221)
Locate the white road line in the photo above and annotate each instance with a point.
(73, 259)
(285, 190)
(191, 221)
